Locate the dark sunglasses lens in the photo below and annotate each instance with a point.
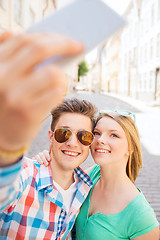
(85, 137)
(62, 135)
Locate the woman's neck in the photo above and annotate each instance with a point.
(113, 178)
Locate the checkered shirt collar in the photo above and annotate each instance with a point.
(45, 176)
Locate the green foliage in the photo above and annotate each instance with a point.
(82, 69)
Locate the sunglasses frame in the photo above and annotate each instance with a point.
(122, 113)
(74, 133)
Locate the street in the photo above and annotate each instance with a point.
(147, 120)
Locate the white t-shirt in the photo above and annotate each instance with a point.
(67, 195)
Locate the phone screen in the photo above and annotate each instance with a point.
(88, 21)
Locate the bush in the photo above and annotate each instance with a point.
(82, 69)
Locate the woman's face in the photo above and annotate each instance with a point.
(110, 144)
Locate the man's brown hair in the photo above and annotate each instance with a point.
(74, 105)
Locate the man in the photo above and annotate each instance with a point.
(42, 203)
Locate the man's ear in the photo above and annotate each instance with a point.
(50, 136)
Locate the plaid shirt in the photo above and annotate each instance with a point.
(32, 208)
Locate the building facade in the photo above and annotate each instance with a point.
(140, 52)
(111, 65)
(131, 57)
(18, 15)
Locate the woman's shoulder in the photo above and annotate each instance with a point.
(141, 202)
(139, 205)
(141, 217)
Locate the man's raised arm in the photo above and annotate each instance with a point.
(28, 93)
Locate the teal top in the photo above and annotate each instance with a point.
(135, 220)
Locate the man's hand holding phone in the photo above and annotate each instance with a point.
(28, 92)
(26, 95)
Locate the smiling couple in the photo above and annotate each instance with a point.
(43, 202)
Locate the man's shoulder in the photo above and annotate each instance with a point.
(44, 175)
(34, 166)
(29, 166)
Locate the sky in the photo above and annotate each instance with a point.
(118, 5)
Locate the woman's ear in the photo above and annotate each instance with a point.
(127, 153)
(50, 136)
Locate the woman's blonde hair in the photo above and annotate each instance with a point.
(135, 153)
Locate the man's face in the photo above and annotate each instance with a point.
(70, 154)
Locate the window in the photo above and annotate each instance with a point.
(151, 49)
(32, 16)
(140, 83)
(151, 78)
(141, 55)
(152, 14)
(146, 23)
(130, 57)
(3, 4)
(145, 81)
(141, 27)
(136, 30)
(158, 45)
(145, 53)
(17, 6)
(135, 56)
(159, 9)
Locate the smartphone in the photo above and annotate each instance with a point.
(88, 21)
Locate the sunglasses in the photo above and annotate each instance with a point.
(62, 135)
(123, 113)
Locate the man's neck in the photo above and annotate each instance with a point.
(62, 177)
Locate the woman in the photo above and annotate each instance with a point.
(115, 209)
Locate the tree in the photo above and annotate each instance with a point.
(82, 69)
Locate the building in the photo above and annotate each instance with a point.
(138, 54)
(111, 65)
(18, 15)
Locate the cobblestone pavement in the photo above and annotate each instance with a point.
(149, 177)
